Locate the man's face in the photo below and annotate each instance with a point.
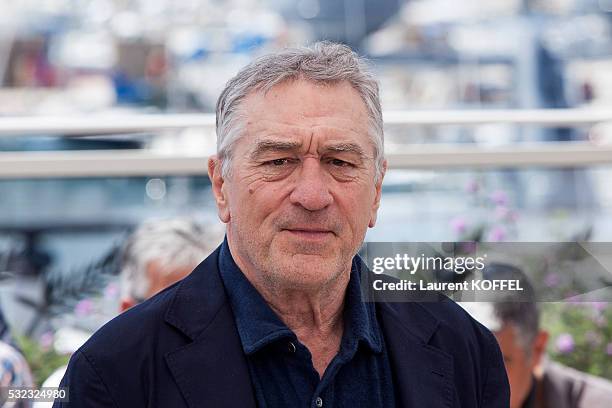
(519, 364)
(159, 278)
(301, 193)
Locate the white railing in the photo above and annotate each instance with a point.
(143, 163)
(106, 124)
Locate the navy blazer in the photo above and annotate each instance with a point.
(181, 349)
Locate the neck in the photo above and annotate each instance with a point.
(314, 314)
(314, 310)
(315, 317)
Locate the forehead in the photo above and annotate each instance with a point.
(302, 107)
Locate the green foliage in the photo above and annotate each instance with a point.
(43, 361)
(580, 335)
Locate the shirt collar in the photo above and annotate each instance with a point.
(258, 325)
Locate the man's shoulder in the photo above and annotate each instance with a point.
(444, 325)
(431, 312)
(441, 328)
(134, 327)
(119, 360)
(165, 321)
(587, 390)
(451, 320)
(453, 317)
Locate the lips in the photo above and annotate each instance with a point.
(308, 229)
(309, 233)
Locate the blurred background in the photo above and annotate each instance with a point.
(498, 128)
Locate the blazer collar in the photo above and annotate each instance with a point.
(211, 370)
(197, 298)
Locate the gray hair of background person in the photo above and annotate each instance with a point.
(518, 308)
(324, 63)
(172, 243)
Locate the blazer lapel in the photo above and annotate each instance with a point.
(422, 373)
(211, 370)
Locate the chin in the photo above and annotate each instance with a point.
(309, 271)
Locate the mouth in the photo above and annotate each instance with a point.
(310, 234)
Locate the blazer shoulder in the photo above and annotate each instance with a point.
(427, 313)
(453, 317)
(457, 329)
(578, 388)
(167, 317)
(132, 328)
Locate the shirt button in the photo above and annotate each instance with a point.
(319, 402)
(291, 347)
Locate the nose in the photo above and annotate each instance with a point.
(311, 190)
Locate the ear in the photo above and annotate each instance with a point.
(378, 187)
(218, 188)
(126, 303)
(539, 348)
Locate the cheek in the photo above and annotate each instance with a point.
(253, 198)
(355, 203)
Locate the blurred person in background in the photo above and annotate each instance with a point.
(156, 255)
(160, 253)
(535, 381)
(14, 373)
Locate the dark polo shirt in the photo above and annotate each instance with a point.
(281, 367)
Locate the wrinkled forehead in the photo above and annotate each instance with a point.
(303, 109)
(303, 102)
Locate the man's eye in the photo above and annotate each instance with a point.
(340, 163)
(279, 162)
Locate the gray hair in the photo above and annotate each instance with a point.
(173, 243)
(517, 308)
(322, 63)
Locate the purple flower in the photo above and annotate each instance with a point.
(609, 349)
(593, 338)
(83, 308)
(111, 291)
(600, 321)
(552, 280)
(565, 343)
(459, 225)
(513, 216)
(497, 234)
(599, 306)
(468, 247)
(472, 186)
(502, 212)
(499, 197)
(46, 340)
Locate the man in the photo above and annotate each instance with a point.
(534, 382)
(161, 252)
(274, 317)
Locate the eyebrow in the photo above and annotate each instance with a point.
(345, 147)
(265, 146)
